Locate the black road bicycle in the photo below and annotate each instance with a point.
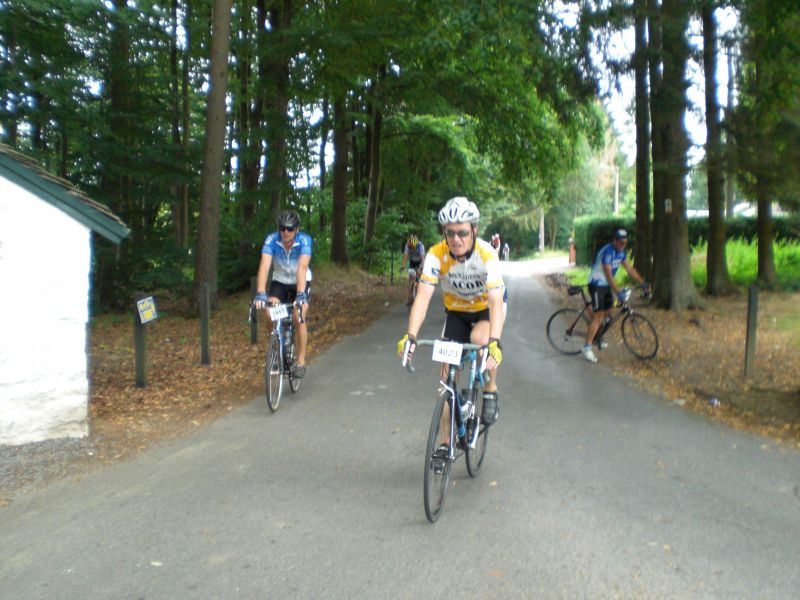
(456, 426)
(281, 355)
(567, 327)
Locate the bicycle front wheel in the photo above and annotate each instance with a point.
(294, 383)
(273, 374)
(475, 455)
(437, 470)
(640, 336)
(566, 330)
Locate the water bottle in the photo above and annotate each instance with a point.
(462, 406)
(466, 402)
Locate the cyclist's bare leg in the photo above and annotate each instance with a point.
(480, 336)
(594, 325)
(301, 335)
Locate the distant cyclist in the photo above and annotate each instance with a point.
(288, 251)
(413, 253)
(603, 288)
(473, 292)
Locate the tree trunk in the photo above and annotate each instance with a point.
(340, 151)
(730, 190)
(280, 18)
(323, 148)
(642, 249)
(175, 118)
(213, 156)
(183, 236)
(674, 288)
(374, 176)
(541, 230)
(718, 282)
(766, 257)
(658, 276)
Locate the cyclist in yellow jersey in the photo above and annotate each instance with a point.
(469, 271)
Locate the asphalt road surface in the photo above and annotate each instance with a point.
(590, 489)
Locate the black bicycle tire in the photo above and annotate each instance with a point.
(637, 321)
(476, 455)
(434, 493)
(273, 376)
(294, 382)
(578, 333)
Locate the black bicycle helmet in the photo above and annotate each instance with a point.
(289, 218)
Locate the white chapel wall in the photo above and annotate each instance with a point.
(44, 287)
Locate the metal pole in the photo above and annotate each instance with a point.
(140, 349)
(205, 309)
(391, 268)
(750, 340)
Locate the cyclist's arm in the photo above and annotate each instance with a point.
(420, 308)
(632, 271)
(610, 278)
(302, 271)
(263, 272)
(496, 317)
(405, 259)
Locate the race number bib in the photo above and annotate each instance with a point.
(447, 352)
(278, 312)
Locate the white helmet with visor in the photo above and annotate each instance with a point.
(459, 210)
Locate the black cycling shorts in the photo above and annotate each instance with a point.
(414, 264)
(458, 325)
(286, 292)
(601, 296)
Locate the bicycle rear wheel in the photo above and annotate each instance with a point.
(640, 336)
(273, 374)
(566, 330)
(437, 472)
(475, 455)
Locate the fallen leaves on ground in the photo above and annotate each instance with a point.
(182, 394)
(701, 358)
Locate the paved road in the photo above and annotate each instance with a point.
(590, 489)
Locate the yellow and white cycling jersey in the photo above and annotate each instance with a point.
(465, 285)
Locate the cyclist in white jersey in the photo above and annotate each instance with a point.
(473, 292)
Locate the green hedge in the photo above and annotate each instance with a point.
(592, 233)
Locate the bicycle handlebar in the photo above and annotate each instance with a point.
(288, 305)
(466, 346)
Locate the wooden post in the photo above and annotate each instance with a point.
(140, 349)
(254, 314)
(750, 340)
(205, 317)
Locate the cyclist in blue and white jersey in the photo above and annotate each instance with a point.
(602, 286)
(288, 252)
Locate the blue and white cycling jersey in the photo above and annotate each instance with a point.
(284, 264)
(608, 255)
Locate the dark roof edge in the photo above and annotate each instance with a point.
(28, 174)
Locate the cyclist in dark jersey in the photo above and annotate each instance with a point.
(413, 253)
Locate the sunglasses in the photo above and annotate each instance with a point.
(282, 228)
(462, 233)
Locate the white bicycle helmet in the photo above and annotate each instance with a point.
(459, 210)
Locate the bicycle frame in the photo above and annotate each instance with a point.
(450, 386)
(622, 310)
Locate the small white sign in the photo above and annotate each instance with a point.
(278, 312)
(447, 352)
